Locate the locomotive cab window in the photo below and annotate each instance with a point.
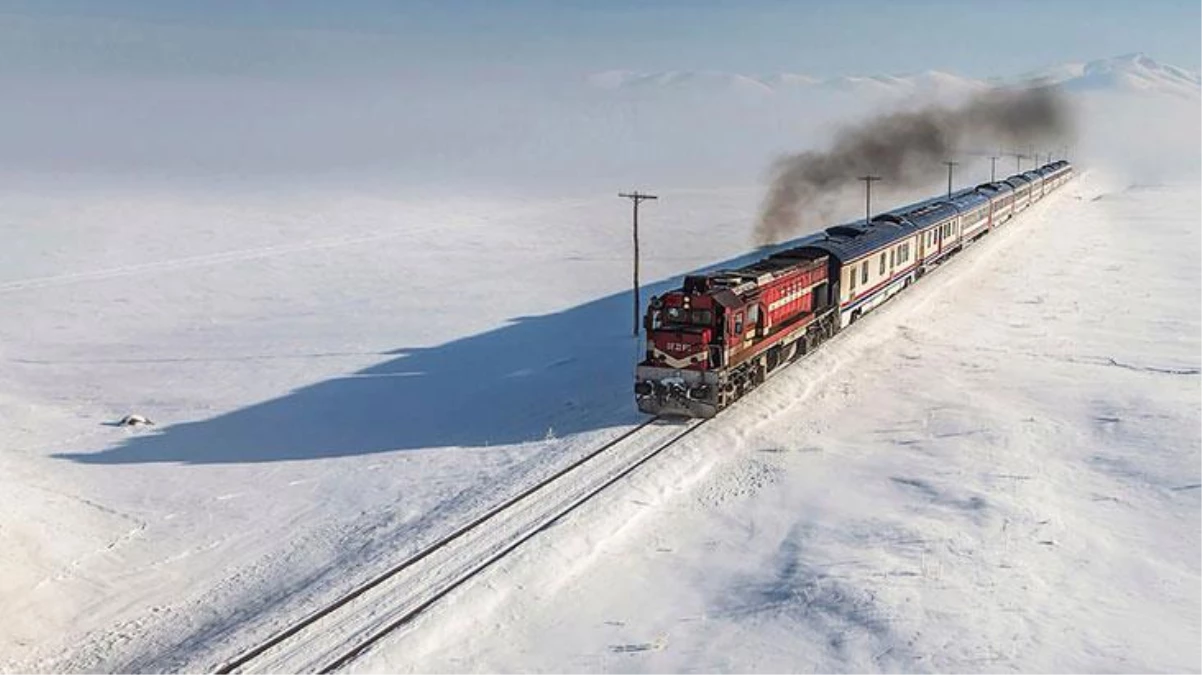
(739, 323)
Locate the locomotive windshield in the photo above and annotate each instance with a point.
(680, 315)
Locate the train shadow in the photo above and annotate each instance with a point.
(556, 374)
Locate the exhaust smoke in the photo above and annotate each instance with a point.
(907, 149)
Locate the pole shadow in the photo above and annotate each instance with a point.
(567, 372)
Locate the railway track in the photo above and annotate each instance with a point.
(338, 633)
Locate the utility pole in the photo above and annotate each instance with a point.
(949, 177)
(868, 180)
(1018, 161)
(992, 169)
(636, 198)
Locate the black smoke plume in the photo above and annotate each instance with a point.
(907, 149)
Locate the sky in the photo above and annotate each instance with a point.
(430, 38)
(487, 91)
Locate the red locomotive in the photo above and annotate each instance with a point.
(721, 334)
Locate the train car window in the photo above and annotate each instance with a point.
(882, 271)
(864, 272)
(892, 257)
(739, 324)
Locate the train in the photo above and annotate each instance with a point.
(722, 334)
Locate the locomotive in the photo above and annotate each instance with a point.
(722, 334)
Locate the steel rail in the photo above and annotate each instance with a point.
(258, 650)
(412, 614)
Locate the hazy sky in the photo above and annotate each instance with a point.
(534, 37)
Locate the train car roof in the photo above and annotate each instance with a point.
(997, 187)
(1032, 175)
(1017, 181)
(930, 213)
(968, 199)
(848, 242)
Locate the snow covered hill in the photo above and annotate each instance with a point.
(1134, 73)
(1128, 73)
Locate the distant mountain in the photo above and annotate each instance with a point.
(1132, 73)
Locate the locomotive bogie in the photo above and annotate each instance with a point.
(676, 392)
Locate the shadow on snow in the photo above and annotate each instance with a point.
(567, 372)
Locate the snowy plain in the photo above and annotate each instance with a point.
(993, 473)
(990, 474)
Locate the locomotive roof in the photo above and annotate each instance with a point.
(735, 281)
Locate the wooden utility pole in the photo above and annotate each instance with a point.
(636, 198)
(949, 177)
(868, 181)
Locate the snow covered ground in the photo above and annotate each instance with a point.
(333, 381)
(993, 472)
(998, 471)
